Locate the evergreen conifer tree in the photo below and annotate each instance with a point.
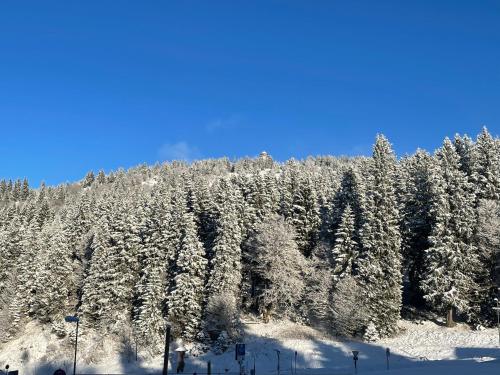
(379, 265)
(487, 166)
(417, 219)
(346, 248)
(225, 265)
(185, 302)
(451, 261)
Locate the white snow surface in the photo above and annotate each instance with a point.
(425, 348)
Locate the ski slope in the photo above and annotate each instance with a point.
(425, 348)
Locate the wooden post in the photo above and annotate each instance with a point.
(76, 347)
(449, 318)
(167, 349)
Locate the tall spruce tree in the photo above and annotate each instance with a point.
(487, 166)
(417, 220)
(448, 281)
(346, 248)
(225, 265)
(108, 289)
(351, 192)
(379, 266)
(185, 302)
(54, 288)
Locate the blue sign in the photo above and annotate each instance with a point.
(240, 352)
(71, 319)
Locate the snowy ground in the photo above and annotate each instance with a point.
(425, 348)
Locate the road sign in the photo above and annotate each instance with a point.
(71, 319)
(60, 372)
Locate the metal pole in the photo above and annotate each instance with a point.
(497, 308)
(76, 347)
(387, 355)
(209, 368)
(498, 320)
(167, 349)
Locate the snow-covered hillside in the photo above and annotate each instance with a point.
(425, 348)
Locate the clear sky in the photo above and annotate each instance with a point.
(106, 84)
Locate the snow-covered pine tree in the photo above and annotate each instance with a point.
(379, 265)
(346, 248)
(149, 322)
(289, 184)
(25, 190)
(225, 268)
(464, 147)
(481, 163)
(351, 192)
(416, 221)
(26, 274)
(16, 190)
(299, 205)
(200, 202)
(262, 197)
(306, 216)
(225, 265)
(487, 239)
(54, 288)
(113, 273)
(89, 179)
(11, 236)
(451, 263)
(185, 302)
(487, 166)
(101, 177)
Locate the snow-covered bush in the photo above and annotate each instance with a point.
(222, 316)
(222, 343)
(371, 333)
(348, 313)
(58, 329)
(279, 267)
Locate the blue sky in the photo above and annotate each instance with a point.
(106, 84)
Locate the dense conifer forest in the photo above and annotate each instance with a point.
(349, 244)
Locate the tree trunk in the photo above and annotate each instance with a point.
(449, 318)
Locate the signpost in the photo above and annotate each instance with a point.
(239, 354)
(7, 372)
(355, 358)
(74, 319)
(497, 308)
(387, 354)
